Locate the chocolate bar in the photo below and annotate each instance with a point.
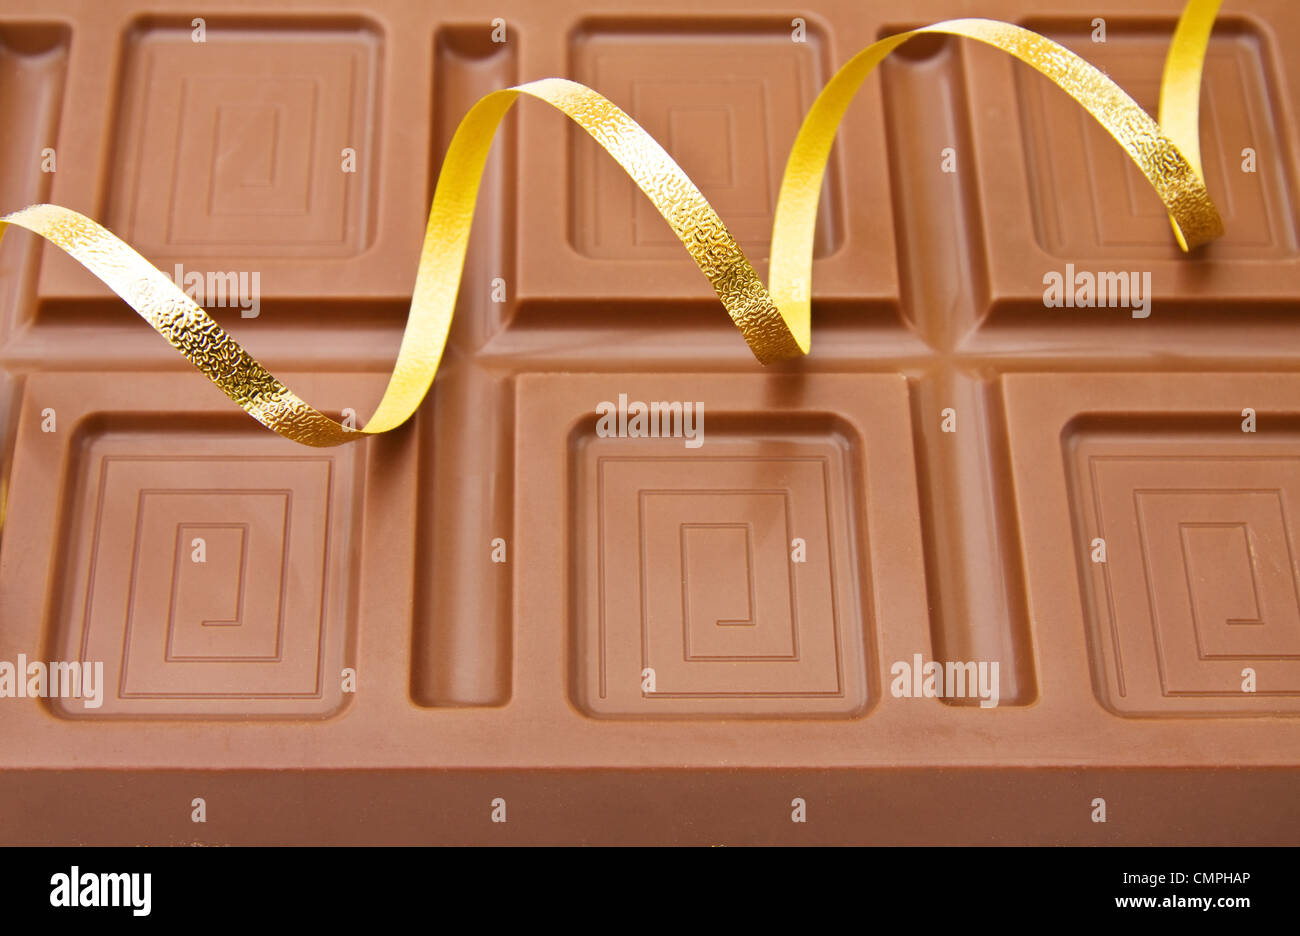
(1007, 557)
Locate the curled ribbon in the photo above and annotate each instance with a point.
(776, 324)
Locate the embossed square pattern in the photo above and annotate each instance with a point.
(764, 628)
(1182, 525)
(1201, 571)
(1105, 210)
(235, 146)
(734, 578)
(721, 101)
(246, 620)
(199, 559)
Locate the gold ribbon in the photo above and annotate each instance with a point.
(776, 324)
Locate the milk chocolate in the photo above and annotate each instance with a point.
(1009, 557)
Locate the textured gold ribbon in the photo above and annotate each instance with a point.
(776, 324)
